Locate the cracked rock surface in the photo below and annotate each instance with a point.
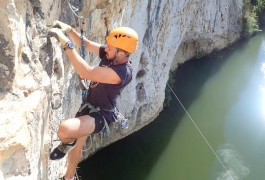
(38, 85)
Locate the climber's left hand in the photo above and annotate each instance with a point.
(65, 27)
(59, 35)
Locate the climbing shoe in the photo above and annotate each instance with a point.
(62, 150)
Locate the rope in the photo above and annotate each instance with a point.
(90, 144)
(204, 138)
(83, 41)
(83, 82)
(76, 175)
(106, 126)
(81, 24)
(73, 9)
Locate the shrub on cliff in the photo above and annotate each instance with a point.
(168, 94)
(259, 6)
(254, 16)
(251, 25)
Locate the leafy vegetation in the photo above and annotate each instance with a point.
(259, 6)
(254, 16)
(168, 94)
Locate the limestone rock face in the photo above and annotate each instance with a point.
(39, 87)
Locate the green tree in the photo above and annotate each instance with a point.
(260, 8)
(251, 24)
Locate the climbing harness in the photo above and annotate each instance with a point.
(120, 122)
(104, 129)
(200, 132)
(97, 109)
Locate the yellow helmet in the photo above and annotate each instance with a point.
(123, 38)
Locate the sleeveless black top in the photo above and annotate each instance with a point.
(105, 95)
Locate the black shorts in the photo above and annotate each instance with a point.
(99, 119)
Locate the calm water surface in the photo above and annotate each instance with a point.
(225, 96)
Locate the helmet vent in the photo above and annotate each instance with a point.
(121, 35)
(124, 38)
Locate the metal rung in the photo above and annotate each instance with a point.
(44, 36)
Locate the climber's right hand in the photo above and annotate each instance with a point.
(65, 27)
(59, 35)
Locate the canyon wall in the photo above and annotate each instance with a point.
(38, 85)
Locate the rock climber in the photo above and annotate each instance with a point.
(107, 81)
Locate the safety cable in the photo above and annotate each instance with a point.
(204, 138)
(74, 9)
(76, 175)
(81, 22)
(90, 144)
(83, 82)
(82, 25)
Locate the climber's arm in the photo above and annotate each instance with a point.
(85, 71)
(90, 46)
(96, 74)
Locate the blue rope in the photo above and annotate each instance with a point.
(81, 18)
(84, 57)
(83, 45)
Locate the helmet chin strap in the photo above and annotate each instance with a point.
(118, 58)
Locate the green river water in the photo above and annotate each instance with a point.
(225, 95)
